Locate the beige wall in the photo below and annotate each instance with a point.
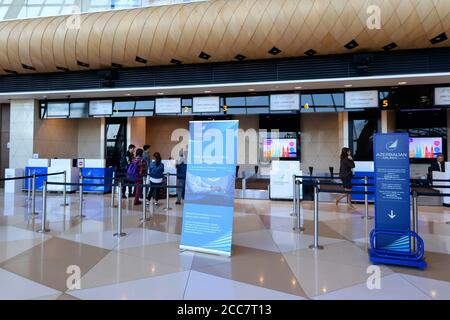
(320, 145)
(90, 138)
(138, 131)
(56, 138)
(159, 133)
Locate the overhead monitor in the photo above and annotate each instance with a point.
(361, 99)
(57, 109)
(442, 96)
(285, 102)
(100, 108)
(206, 104)
(168, 106)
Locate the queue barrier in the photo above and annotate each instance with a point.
(120, 184)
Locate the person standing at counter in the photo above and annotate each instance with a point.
(125, 162)
(346, 174)
(156, 171)
(438, 164)
(181, 177)
(135, 174)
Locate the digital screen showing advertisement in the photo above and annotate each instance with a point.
(425, 148)
(210, 184)
(280, 148)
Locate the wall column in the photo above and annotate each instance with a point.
(344, 135)
(388, 121)
(24, 116)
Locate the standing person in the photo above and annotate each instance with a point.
(156, 171)
(125, 162)
(146, 156)
(135, 174)
(181, 177)
(346, 174)
(438, 164)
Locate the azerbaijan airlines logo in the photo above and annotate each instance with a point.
(392, 145)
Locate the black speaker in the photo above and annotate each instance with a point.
(108, 75)
(362, 62)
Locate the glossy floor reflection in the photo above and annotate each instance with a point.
(270, 260)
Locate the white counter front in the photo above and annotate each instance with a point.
(281, 182)
(443, 176)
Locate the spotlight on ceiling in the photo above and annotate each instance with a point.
(274, 51)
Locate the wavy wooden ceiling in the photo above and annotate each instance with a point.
(221, 28)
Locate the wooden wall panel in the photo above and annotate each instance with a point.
(221, 28)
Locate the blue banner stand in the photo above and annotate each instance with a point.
(390, 241)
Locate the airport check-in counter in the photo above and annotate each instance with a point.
(72, 175)
(36, 166)
(443, 176)
(96, 168)
(170, 167)
(281, 179)
(13, 186)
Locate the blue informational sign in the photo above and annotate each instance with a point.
(29, 171)
(104, 185)
(392, 195)
(210, 185)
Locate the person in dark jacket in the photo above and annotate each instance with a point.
(346, 174)
(126, 160)
(181, 179)
(156, 172)
(438, 164)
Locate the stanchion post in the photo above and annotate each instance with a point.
(366, 200)
(297, 211)
(415, 219)
(44, 210)
(33, 195)
(294, 196)
(167, 208)
(80, 208)
(65, 204)
(113, 190)
(29, 185)
(316, 245)
(144, 204)
(119, 232)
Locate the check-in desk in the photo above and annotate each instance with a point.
(13, 186)
(170, 167)
(72, 175)
(95, 172)
(281, 179)
(36, 166)
(443, 176)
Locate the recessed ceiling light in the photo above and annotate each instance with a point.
(274, 51)
(160, 93)
(351, 45)
(208, 91)
(297, 88)
(440, 38)
(402, 83)
(127, 94)
(348, 85)
(310, 52)
(251, 89)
